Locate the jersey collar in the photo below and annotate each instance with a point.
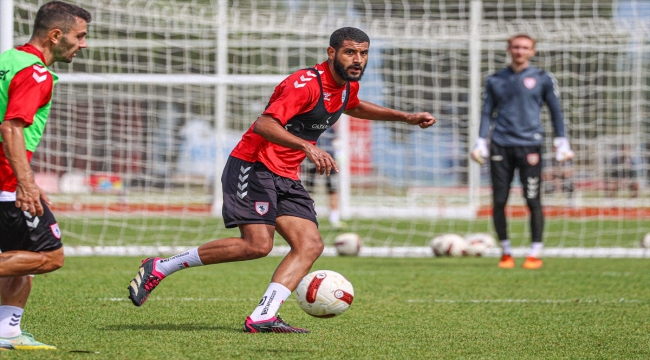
(31, 49)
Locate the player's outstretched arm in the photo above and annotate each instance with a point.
(272, 130)
(370, 111)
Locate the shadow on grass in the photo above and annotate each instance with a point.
(167, 327)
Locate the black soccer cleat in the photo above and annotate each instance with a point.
(274, 324)
(144, 281)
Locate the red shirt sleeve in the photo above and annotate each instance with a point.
(29, 90)
(293, 96)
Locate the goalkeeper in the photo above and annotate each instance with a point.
(512, 104)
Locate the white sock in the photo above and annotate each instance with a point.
(274, 296)
(505, 246)
(179, 262)
(536, 249)
(334, 216)
(10, 321)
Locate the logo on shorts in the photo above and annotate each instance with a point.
(261, 207)
(532, 159)
(56, 231)
(530, 82)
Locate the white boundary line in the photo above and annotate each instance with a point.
(392, 252)
(416, 301)
(527, 301)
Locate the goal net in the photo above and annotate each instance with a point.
(143, 119)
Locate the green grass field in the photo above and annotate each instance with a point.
(403, 308)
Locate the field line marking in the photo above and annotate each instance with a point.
(524, 301)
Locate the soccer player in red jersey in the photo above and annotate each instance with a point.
(30, 238)
(261, 189)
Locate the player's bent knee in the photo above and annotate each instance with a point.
(52, 260)
(312, 248)
(259, 249)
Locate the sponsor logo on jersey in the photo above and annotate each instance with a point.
(3, 74)
(530, 82)
(345, 93)
(56, 231)
(497, 158)
(261, 207)
(320, 126)
(533, 159)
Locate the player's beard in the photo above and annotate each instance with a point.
(342, 71)
(64, 51)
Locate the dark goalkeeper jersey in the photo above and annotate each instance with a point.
(513, 101)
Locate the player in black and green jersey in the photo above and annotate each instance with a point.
(30, 238)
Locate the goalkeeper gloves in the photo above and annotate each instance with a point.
(480, 152)
(562, 149)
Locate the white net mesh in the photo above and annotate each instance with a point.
(130, 155)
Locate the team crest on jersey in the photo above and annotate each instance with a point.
(533, 159)
(530, 82)
(345, 93)
(56, 231)
(326, 96)
(261, 207)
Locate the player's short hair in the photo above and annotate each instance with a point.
(59, 15)
(347, 33)
(521, 36)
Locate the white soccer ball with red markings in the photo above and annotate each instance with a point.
(448, 245)
(645, 242)
(324, 294)
(347, 244)
(479, 243)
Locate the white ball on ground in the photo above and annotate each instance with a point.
(348, 244)
(448, 245)
(645, 242)
(324, 293)
(479, 243)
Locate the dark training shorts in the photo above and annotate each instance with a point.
(252, 194)
(21, 231)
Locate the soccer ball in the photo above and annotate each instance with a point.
(645, 242)
(347, 244)
(448, 245)
(479, 243)
(324, 294)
